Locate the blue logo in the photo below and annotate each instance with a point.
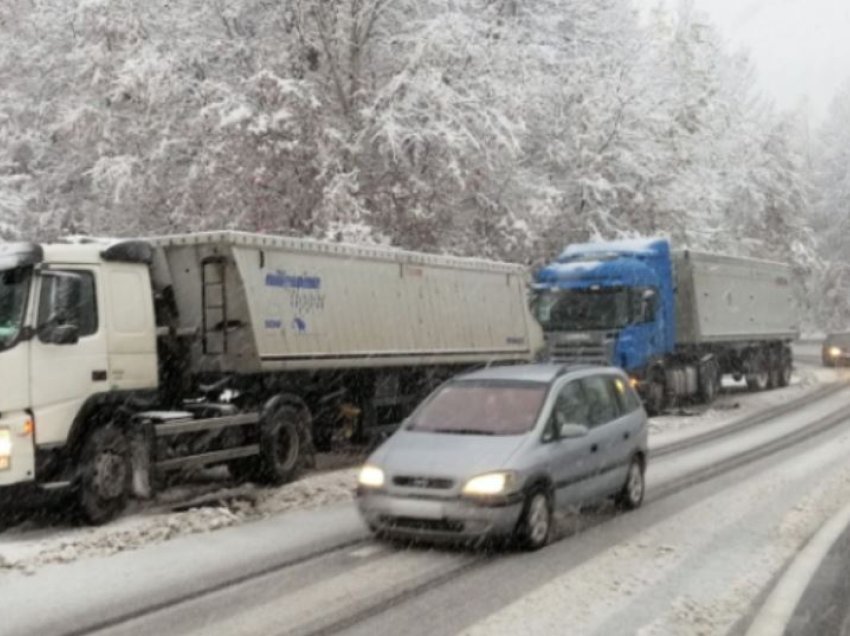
(282, 279)
(299, 325)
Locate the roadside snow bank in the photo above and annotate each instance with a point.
(25, 549)
(736, 403)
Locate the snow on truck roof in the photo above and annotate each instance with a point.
(634, 246)
(85, 249)
(343, 250)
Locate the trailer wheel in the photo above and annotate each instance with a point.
(709, 381)
(655, 396)
(758, 373)
(280, 446)
(786, 369)
(774, 369)
(104, 479)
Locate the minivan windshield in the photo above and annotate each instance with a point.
(481, 408)
(14, 284)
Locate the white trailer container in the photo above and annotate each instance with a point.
(127, 359)
(293, 304)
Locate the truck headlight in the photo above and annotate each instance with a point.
(490, 484)
(371, 477)
(5, 448)
(834, 352)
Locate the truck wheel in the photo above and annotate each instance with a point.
(774, 369)
(280, 446)
(655, 396)
(758, 376)
(104, 480)
(785, 370)
(709, 382)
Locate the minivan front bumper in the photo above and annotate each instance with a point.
(436, 518)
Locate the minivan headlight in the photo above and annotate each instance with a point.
(490, 484)
(371, 476)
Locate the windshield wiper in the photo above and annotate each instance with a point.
(461, 431)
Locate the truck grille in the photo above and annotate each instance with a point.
(436, 483)
(580, 352)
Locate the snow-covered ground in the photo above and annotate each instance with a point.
(197, 508)
(29, 546)
(735, 403)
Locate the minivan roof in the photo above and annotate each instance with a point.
(544, 373)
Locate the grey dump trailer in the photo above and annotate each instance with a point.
(128, 360)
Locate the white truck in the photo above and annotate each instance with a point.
(123, 360)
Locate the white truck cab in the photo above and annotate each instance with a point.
(76, 328)
(123, 360)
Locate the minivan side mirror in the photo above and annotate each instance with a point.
(571, 431)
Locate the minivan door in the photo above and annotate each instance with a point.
(569, 458)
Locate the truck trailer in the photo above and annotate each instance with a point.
(125, 360)
(676, 321)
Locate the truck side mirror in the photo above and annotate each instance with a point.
(61, 334)
(647, 306)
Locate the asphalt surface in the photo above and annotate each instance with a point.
(321, 573)
(825, 606)
(374, 588)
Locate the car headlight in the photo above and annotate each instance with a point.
(5, 448)
(834, 352)
(371, 477)
(490, 484)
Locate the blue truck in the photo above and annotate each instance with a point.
(675, 320)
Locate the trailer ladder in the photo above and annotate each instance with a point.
(214, 304)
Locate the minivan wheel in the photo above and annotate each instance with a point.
(535, 524)
(631, 496)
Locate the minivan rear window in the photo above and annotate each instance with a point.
(481, 408)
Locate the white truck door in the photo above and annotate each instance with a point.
(69, 360)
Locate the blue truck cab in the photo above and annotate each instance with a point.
(609, 303)
(675, 321)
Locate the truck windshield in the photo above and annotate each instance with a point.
(14, 285)
(582, 309)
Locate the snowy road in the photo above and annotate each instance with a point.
(720, 521)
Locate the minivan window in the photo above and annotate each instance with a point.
(481, 408)
(603, 406)
(626, 396)
(571, 406)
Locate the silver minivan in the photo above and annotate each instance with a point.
(495, 452)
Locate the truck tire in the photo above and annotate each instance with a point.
(774, 369)
(105, 474)
(786, 369)
(280, 446)
(655, 395)
(758, 374)
(709, 381)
